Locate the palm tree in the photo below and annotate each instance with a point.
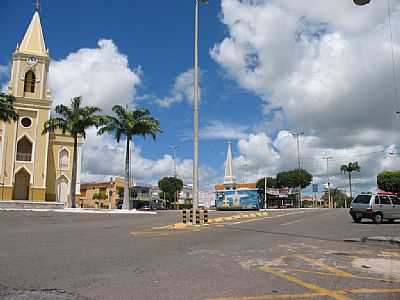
(130, 123)
(349, 168)
(74, 120)
(7, 110)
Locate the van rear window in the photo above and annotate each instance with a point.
(364, 199)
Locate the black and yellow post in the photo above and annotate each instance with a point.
(191, 216)
(184, 215)
(205, 216)
(198, 216)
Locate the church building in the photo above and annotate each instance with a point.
(34, 167)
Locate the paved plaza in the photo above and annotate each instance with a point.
(289, 254)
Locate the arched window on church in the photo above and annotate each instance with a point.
(63, 160)
(24, 149)
(30, 80)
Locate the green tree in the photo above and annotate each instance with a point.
(170, 186)
(7, 110)
(74, 120)
(389, 181)
(271, 183)
(337, 196)
(350, 168)
(100, 196)
(294, 178)
(127, 124)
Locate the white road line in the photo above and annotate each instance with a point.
(292, 222)
(246, 221)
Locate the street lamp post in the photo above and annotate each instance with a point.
(297, 134)
(196, 110)
(327, 175)
(265, 193)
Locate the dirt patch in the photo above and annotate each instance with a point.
(383, 266)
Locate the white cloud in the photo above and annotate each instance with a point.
(102, 76)
(181, 90)
(4, 73)
(220, 130)
(3, 70)
(104, 158)
(326, 66)
(260, 156)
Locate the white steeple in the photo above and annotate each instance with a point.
(33, 42)
(229, 178)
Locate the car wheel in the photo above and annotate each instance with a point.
(378, 218)
(356, 220)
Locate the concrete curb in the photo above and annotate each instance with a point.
(383, 239)
(84, 211)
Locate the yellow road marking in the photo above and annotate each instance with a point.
(352, 276)
(325, 267)
(310, 295)
(373, 291)
(338, 295)
(392, 254)
(271, 297)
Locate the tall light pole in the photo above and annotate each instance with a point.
(173, 148)
(265, 193)
(297, 135)
(196, 110)
(327, 158)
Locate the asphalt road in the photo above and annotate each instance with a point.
(290, 254)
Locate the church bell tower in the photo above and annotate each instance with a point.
(25, 149)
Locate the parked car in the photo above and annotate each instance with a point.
(377, 207)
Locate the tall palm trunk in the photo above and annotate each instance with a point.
(74, 172)
(125, 204)
(351, 192)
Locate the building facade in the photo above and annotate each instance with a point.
(111, 189)
(34, 166)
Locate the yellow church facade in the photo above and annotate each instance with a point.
(34, 167)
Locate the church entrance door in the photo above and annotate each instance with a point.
(62, 190)
(21, 185)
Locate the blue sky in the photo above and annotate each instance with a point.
(261, 74)
(157, 36)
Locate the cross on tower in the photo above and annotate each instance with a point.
(37, 5)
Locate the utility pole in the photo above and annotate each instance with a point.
(265, 193)
(327, 158)
(173, 148)
(196, 110)
(297, 135)
(243, 166)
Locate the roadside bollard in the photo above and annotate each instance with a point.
(198, 216)
(191, 216)
(206, 216)
(184, 215)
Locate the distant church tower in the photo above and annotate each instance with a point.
(229, 179)
(34, 167)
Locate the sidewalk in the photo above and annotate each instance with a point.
(84, 211)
